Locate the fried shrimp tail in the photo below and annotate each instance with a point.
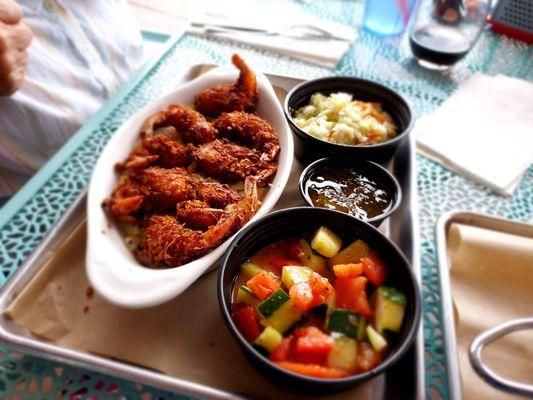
(158, 150)
(167, 243)
(247, 81)
(241, 95)
(189, 125)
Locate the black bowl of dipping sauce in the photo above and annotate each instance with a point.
(308, 148)
(359, 188)
(290, 222)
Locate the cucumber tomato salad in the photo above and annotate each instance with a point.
(316, 308)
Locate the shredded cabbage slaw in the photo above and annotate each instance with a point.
(340, 119)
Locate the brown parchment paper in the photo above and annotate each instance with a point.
(492, 282)
(185, 338)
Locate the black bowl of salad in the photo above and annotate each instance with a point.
(346, 116)
(360, 188)
(318, 300)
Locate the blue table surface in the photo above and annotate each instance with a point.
(25, 220)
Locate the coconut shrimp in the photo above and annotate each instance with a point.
(231, 162)
(197, 214)
(187, 124)
(250, 129)
(158, 150)
(241, 95)
(152, 189)
(167, 243)
(216, 194)
(208, 208)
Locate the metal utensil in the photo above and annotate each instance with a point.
(297, 31)
(442, 229)
(489, 376)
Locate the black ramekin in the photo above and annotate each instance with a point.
(308, 148)
(305, 220)
(369, 169)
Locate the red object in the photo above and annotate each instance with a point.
(282, 351)
(311, 293)
(247, 323)
(311, 346)
(367, 357)
(351, 295)
(321, 288)
(302, 296)
(511, 32)
(374, 269)
(294, 250)
(347, 270)
(263, 285)
(307, 345)
(317, 371)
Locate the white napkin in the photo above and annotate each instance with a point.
(279, 17)
(484, 131)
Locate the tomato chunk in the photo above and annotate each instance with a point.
(374, 269)
(247, 323)
(318, 371)
(302, 296)
(347, 270)
(311, 345)
(367, 357)
(282, 350)
(263, 285)
(321, 288)
(351, 295)
(311, 293)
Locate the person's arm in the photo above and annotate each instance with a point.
(15, 37)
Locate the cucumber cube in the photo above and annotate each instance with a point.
(244, 295)
(270, 305)
(351, 254)
(361, 328)
(269, 338)
(292, 274)
(343, 354)
(390, 309)
(325, 242)
(342, 321)
(377, 341)
(308, 258)
(283, 318)
(250, 270)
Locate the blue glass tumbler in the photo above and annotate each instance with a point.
(387, 17)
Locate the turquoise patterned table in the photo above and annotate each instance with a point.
(29, 215)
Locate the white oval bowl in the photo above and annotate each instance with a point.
(111, 267)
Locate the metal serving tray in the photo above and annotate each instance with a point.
(441, 232)
(403, 381)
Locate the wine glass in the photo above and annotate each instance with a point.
(444, 31)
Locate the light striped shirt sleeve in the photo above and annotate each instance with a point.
(81, 53)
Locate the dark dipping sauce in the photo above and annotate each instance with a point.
(344, 189)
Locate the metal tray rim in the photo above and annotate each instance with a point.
(86, 360)
(441, 233)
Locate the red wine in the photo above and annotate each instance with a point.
(439, 44)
